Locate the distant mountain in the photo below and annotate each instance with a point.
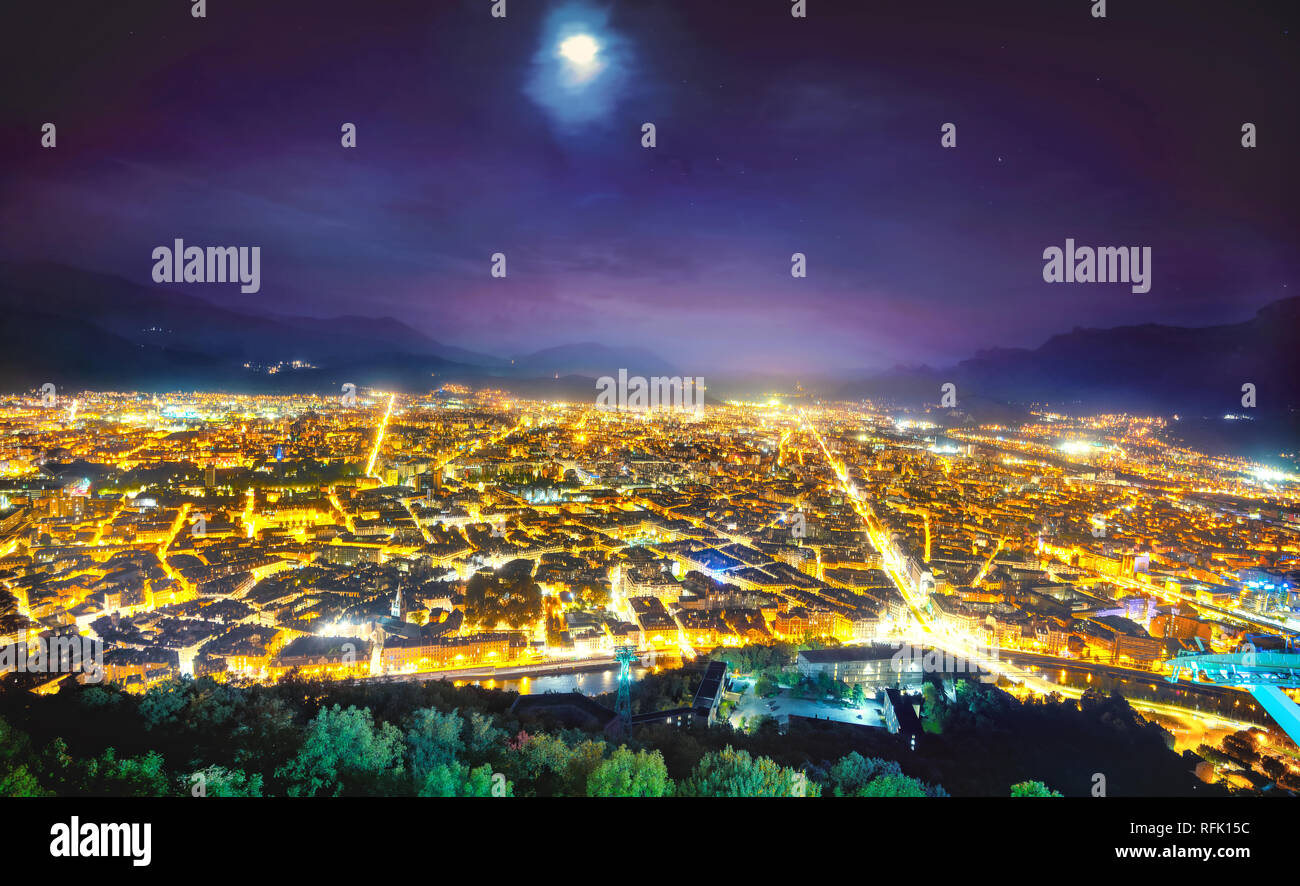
(159, 318)
(1149, 367)
(79, 328)
(37, 347)
(595, 360)
(375, 334)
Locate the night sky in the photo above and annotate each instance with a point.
(775, 135)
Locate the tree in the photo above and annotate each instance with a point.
(344, 753)
(265, 734)
(854, 772)
(584, 758)
(458, 780)
(162, 704)
(433, 739)
(546, 766)
(511, 597)
(1032, 789)
(592, 595)
(857, 776)
(218, 781)
(18, 781)
(481, 737)
(211, 705)
(732, 773)
(893, 786)
(108, 776)
(16, 777)
(626, 774)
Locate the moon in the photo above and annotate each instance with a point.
(580, 50)
(581, 66)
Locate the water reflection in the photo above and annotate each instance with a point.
(586, 682)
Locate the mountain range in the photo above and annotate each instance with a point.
(1145, 368)
(81, 329)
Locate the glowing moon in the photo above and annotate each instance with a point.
(580, 49)
(581, 67)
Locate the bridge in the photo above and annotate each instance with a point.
(1263, 674)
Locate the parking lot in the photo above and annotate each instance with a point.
(781, 706)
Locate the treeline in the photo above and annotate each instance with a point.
(986, 740)
(204, 738)
(1095, 746)
(433, 738)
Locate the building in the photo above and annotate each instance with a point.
(328, 657)
(874, 667)
(901, 713)
(425, 653)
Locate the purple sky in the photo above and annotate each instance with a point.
(775, 135)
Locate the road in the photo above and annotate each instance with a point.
(925, 635)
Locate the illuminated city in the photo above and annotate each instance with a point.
(531, 399)
(478, 537)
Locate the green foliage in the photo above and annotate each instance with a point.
(1032, 789)
(218, 781)
(344, 754)
(303, 737)
(18, 781)
(109, 776)
(458, 780)
(854, 772)
(732, 773)
(591, 595)
(265, 732)
(757, 659)
(16, 777)
(481, 738)
(162, 705)
(771, 658)
(548, 766)
(433, 740)
(893, 786)
(665, 690)
(627, 774)
(858, 776)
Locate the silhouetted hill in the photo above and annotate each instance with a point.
(83, 329)
(170, 320)
(1142, 368)
(36, 348)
